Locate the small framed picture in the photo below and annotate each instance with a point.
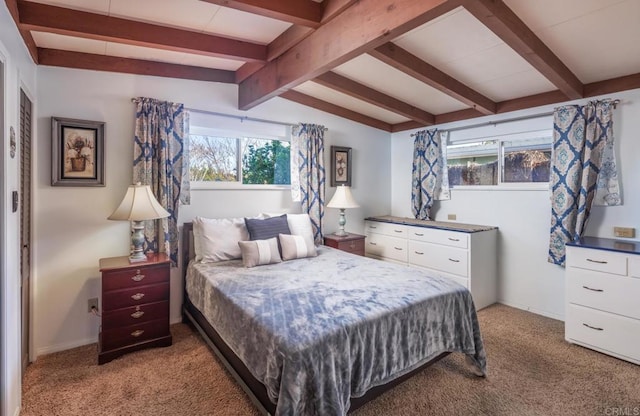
(340, 166)
(77, 152)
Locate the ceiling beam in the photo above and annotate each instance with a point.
(502, 21)
(12, 5)
(362, 92)
(415, 67)
(300, 12)
(321, 105)
(292, 36)
(53, 19)
(68, 59)
(365, 25)
(609, 86)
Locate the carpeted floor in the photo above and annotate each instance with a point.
(532, 371)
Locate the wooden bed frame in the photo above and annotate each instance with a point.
(254, 388)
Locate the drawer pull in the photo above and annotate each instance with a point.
(137, 332)
(137, 314)
(593, 327)
(454, 239)
(138, 277)
(137, 296)
(419, 252)
(597, 261)
(398, 248)
(594, 290)
(372, 226)
(454, 260)
(372, 243)
(418, 234)
(397, 231)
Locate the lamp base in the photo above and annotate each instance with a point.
(137, 241)
(341, 233)
(135, 258)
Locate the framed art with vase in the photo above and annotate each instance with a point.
(77, 152)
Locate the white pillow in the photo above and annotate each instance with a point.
(217, 239)
(296, 247)
(299, 224)
(259, 252)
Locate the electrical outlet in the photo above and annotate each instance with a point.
(451, 217)
(624, 232)
(92, 304)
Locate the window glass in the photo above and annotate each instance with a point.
(512, 159)
(213, 158)
(526, 160)
(473, 163)
(265, 162)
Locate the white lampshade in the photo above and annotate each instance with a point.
(342, 198)
(139, 204)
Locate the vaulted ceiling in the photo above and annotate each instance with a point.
(389, 64)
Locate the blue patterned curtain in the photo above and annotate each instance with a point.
(307, 144)
(580, 134)
(430, 180)
(161, 160)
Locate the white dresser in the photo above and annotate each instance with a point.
(465, 253)
(603, 296)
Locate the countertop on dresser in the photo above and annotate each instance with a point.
(442, 225)
(609, 244)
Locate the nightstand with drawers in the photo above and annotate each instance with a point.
(135, 305)
(602, 292)
(351, 243)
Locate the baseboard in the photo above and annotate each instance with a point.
(66, 346)
(532, 310)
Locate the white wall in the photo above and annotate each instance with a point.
(19, 72)
(71, 229)
(527, 280)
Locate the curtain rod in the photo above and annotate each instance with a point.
(509, 120)
(241, 118)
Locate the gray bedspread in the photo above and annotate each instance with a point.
(318, 331)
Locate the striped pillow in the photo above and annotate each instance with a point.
(296, 247)
(259, 252)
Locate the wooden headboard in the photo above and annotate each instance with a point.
(188, 252)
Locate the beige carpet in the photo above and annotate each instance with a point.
(532, 371)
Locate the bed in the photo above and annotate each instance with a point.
(324, 335)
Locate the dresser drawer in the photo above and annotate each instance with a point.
(607, 292)
(613, 333)
(126, 336)
(353, 246)
(120, 279)
(135, 314)
(444, 237)
(634, 266)
(447, 259)
(598, 260)
(134, 296)
(387, 247)
(392, 230)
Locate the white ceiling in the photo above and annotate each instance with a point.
(596, 39)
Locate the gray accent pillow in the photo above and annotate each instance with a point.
(264, 229)
(296, 247)
(259, 252)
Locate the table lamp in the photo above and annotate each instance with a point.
(342, 199)
(138, 205)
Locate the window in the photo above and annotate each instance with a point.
(513, 159)
(234, 153)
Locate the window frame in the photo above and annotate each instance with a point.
(235, 185)
(504, 186)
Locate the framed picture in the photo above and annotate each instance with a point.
(340, 166)
(77, 152)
